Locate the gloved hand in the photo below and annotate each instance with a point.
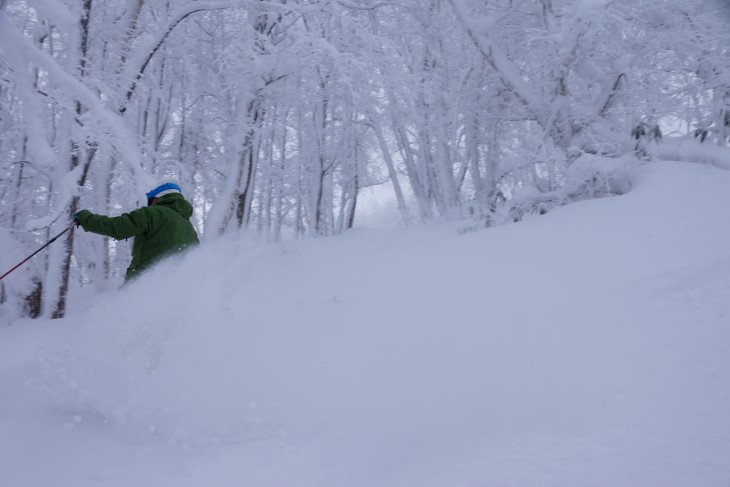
(76, 220)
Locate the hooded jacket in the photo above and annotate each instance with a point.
(159, 231)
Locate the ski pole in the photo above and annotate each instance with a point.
(31, 255)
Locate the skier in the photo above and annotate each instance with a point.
(160, 229)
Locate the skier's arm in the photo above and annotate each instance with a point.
(119, 227)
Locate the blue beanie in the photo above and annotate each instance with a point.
(163, 189)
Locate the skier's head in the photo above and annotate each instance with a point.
(167, 187)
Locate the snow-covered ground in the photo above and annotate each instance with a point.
(586, 347)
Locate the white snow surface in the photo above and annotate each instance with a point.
(585, 347)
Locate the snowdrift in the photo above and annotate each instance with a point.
(574, 346)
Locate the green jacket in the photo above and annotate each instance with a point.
(158, 231)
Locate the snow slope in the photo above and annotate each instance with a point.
(586, 347)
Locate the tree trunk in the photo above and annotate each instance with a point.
(59, 310)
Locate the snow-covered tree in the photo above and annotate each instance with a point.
(274, 115)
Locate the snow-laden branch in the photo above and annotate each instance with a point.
(176, 19)
(498, 60)
(68, 187)
(52, 9)
(38, 147)
(74, 88)
(374, 6)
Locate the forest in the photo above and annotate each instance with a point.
(275, 116)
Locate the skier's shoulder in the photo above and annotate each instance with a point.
(175, 204)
